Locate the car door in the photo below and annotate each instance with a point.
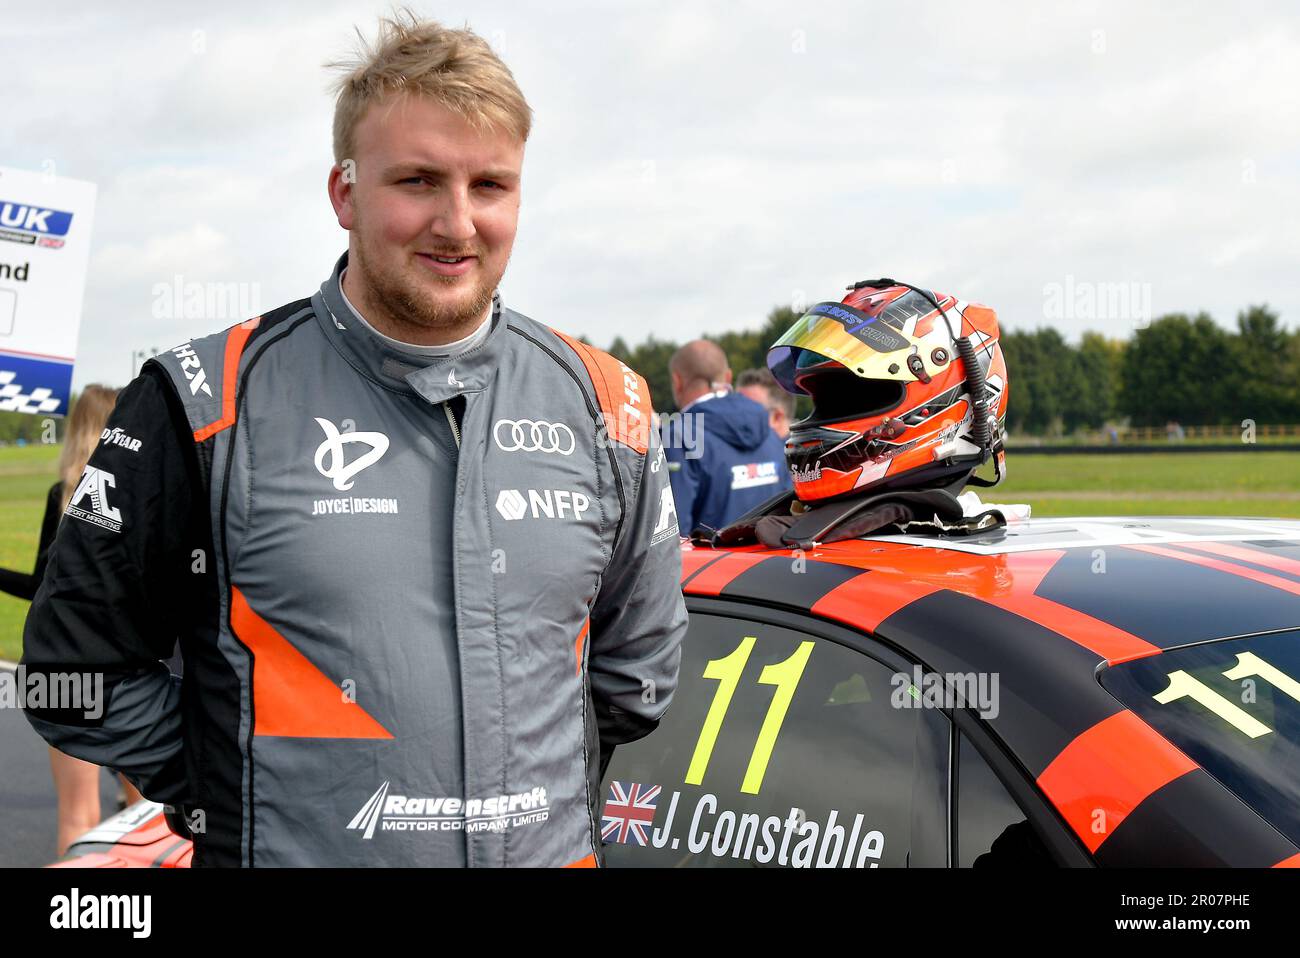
(790, 742)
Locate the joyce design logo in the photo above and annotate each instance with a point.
(331, 459)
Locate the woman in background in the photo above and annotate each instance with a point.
(76, 782)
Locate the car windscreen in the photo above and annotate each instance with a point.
(1233, 706)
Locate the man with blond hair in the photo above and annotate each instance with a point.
(419, 549)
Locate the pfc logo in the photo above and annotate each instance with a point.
(666, 525)
(94, 485)
(533, 435)
(542, 504)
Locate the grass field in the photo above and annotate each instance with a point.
(1212, 484)
(1224, 475)
(25, 476)
(1229, 484)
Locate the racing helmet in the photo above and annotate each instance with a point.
(909, 390)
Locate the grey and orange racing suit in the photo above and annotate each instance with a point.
(417, 600)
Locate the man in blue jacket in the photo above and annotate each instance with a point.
(723, 457)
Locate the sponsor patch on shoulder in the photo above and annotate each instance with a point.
(667, 523)
(92, 491)
(116, 437)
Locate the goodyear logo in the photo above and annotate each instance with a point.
(37, 225)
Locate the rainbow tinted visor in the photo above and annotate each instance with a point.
(894, 344)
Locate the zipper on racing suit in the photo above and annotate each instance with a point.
(455, 611)
(451, 418)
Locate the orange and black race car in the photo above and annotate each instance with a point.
(1114, 692)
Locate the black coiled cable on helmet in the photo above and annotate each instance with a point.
(975, 380)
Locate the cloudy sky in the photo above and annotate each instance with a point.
(693, 165)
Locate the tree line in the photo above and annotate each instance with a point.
(23, 427)
(1180, 368)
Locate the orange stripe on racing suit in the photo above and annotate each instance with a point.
(292, 697)
(236, 339)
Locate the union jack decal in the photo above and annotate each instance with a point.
(629, 812)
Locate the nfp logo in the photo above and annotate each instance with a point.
(542, 504)
(34, 224)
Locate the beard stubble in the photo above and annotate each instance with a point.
(406, 304)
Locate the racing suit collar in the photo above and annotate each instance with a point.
(390, 366)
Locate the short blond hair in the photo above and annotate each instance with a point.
(456, 68)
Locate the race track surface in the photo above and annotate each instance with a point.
(27, 802)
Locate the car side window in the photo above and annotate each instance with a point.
(992, 830)
(780, 748)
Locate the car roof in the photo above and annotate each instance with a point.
(1043, 605)
(1118, 587)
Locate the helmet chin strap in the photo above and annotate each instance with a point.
(981, 428)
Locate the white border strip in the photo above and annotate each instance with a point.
(1080, 533)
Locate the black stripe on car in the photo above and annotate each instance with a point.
(1047, 692)
(1193, 822)
(789, 580)
(1165, 601)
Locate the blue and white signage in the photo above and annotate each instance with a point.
(45, 224)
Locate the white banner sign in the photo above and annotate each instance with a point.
(45, 224)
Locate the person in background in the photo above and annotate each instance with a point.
(760, 386)
(723, 457)
(75, 781)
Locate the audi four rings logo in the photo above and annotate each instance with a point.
(533, 435)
